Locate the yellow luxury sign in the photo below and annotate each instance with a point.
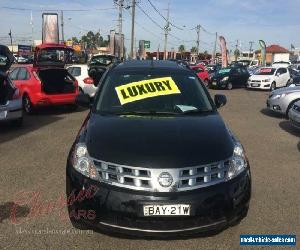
(135, 91)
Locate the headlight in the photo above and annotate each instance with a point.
(279, 96)
(267, 80)
(238, 162)
(83, 163)
(225, 78)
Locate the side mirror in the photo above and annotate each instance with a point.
(220, 100)
(84, 100)
(277, 74)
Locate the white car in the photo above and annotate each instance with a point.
(294, 115)
(85, 83)
(269, 78)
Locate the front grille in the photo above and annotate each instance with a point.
(203, 175)
(147, 179)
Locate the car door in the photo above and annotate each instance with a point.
(235, 77)
(285, 76)
(244, 77)
(279, 78)
(21, 79)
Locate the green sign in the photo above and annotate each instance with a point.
(147, 44)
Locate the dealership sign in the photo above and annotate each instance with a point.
(24, 50)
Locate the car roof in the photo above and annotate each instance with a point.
(154, 64)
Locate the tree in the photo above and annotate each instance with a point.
(181, 49)
(194, 50)
(93, 40)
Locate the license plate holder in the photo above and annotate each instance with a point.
(167, 210)
(214, 83)
(254, 84)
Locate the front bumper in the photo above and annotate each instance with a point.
(218, 83)
(276, 105)
(260, 85)
(11, 111)
(121, 210)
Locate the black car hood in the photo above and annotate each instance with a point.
(219, 76)
(159, 142)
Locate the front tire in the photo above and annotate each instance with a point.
(289, 107)
(229, 86)
(273, 86)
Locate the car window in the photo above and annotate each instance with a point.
(145, 92)
(283, 70)
(76, 71)
(70, 70)
(23, 74)
(13, 74)
(198, 70)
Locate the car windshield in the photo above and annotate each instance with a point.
(266, 71)
(101, 60)
(224, 71)
(152, 92)
(54, 56)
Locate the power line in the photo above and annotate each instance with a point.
(149, 16)
(173, 25)
(42, 10)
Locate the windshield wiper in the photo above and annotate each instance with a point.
(143, 113)
(196, 111)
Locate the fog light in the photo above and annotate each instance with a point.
(276, 107)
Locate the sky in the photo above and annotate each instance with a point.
(274, 21)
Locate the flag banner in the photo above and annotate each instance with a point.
(50, 32)
(223, 51)
(262, 45)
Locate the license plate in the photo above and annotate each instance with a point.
(254, 85)
(214, 83)
(167, 210)
(3, 114)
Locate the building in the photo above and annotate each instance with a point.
(276, 53)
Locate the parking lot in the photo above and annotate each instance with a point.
(33, 175)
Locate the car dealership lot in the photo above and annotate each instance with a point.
(33, 176)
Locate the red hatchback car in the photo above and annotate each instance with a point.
(202, 73)
(46, 82)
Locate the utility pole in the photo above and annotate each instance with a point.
(167, 29)
(250, 50)
(62, 25)
(215, 49)
(12, 48)
(198, 28)
(236, 50)
(121, 4)
(132, 29)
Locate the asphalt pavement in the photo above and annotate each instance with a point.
(32, 178)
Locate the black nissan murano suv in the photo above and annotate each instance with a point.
(154, 157)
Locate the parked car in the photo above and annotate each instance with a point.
(46, 82)
(99, 64)
(202, 73)
(85, 82)
(230, 77)
(137, 156)
(282, 100)
(294, 81)
(281, 64)
(10, 98)
(294, 115)
(20, 59)
(269, 78)
(212, 69)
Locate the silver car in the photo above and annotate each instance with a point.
(10, 98)
(294, 115)
(282, 100)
